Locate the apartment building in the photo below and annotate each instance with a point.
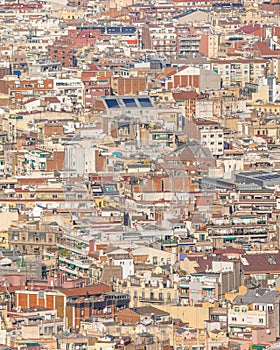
(21, 90)
(189, 5)
(95, 85)
(161, 38)
(257, 307)
(187, 43)
(155, 291)
(70, 90)
(212, 136)
(220, 277)
(63, 301)
(209, 133)
(210, 44)
(237, 72)
(34, 237)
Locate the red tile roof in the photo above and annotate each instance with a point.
(52, 99)
(205, 262)
(96, 289)
(186, 95)
(248, 29)
(264, 49)
(261, 263)
(272, 7)
(229, 251)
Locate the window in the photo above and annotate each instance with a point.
(260, 320)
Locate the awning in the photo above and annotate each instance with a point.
(255, 346)
(229, 239)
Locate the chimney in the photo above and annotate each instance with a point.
(91, 246)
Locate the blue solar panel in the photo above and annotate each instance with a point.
(130, 30)
(129, 102)
(113, 30)
(145, 102)
(112, 103)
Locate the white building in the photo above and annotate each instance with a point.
(212, 136)
(127, 266)
(69, 91)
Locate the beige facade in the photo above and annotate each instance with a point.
(143, 294)
(261, 127)
(193, 315)
(262, 94)
(240, 71)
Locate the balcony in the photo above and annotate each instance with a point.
(156, 300)
(169, 242)
(72, 272)
(83, 264)
(72, 248)
(239, 233)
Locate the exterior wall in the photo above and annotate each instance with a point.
(142, 295)
(214, 140)
(182, 80)
(209, 81)
(204, 45)
(130, 86)
(127, 316)
(263, 336)
(193, 315)
(127, 266)
(204, 109)
(33, 240)
(56, 162)
(52, 300)
(6, 220)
